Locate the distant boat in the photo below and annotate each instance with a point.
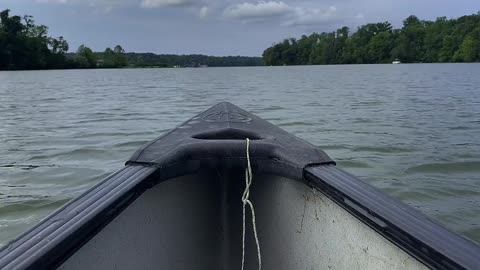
(396, 61)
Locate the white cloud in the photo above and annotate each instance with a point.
(51, 1)
(165, 3)
(287, 15)
(360, 16)
(204, 12)
(259, 11)
(97, 6)
(312, 16)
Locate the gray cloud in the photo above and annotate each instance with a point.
(276, 11)
(86, 2)
(261, 10)
(203, 12)
(313, 16)
(165, 3)
(285, 14)
(51, 1)
(96, 6)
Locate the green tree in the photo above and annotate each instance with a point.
(442, 40)
(341, 52)
(380, 47)
(58, 45)
(433, 41)
(24, 45)
(324, 50)
(119, 58)
(304, 47)
(85, 57)
(34, 31)
(58, 48)
(108, 58)
(10, 27)
(410, 40)
(447, 50)
(469, 50)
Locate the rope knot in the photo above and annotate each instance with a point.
(246, 200)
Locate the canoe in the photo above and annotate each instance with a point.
(183, 201)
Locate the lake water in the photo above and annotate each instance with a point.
(410, 130)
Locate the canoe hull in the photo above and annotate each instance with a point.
(195, 222)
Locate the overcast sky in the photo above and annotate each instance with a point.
(216, 27)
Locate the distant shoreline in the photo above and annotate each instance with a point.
(23, 48)
(326, 65)
(418, 41)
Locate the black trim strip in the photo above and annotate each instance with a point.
(49, 243)
(403, 225)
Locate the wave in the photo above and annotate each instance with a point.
(352, 164)
(453, 167)
(381, 149)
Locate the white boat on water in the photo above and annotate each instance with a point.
(396, 61)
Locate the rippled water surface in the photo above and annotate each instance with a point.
(410, 130)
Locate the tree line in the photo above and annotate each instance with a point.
(418, 41)
(25, 45)
(191, 60)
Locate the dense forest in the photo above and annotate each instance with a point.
(192, 60)
(25, 45)
(442, 40)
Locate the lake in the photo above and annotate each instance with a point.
(411, 130)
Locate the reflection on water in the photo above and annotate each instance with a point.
(411, 130)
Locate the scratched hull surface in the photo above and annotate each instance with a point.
(195, 222)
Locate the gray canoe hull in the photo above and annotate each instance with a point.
(195, 222)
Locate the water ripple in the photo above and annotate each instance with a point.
(446, 168)
(411, 130)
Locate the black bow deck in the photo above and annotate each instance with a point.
(217, 136)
